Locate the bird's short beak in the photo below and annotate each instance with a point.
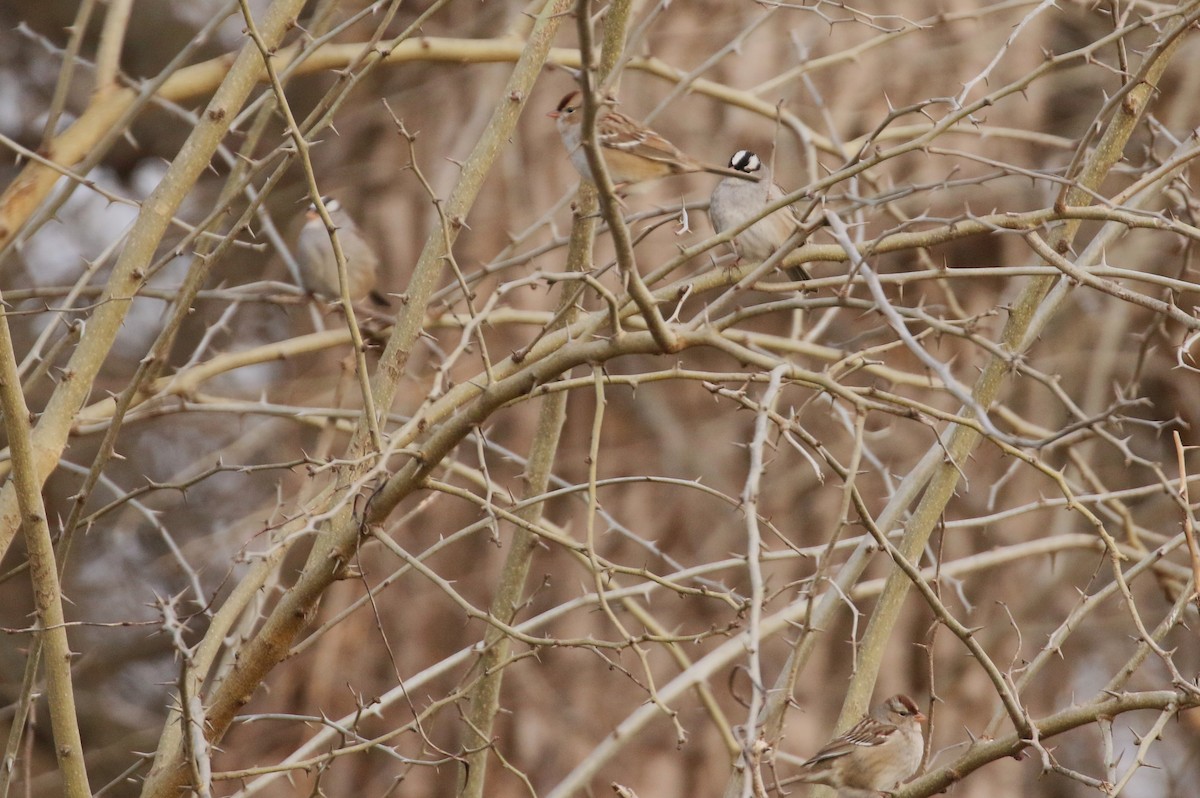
(553, 114)
(920, 717)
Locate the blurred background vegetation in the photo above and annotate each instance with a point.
(176, 514)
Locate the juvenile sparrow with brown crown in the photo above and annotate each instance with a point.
(875, 755)
(735, 202)
(631, 152)
(318, 265)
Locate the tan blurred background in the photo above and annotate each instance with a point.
(560, 704)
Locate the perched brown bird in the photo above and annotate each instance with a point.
(875, 755)
(318, 265)
(631, 152)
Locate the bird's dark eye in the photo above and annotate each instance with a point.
(564, 105)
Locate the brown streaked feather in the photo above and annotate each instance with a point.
(867, 732)
(621, 162)
(617, 133)
(623, 134)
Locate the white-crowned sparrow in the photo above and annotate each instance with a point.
(875, 755)
(632, 153)
(737, 201)
(318, 266)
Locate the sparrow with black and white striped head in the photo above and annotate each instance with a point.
(735, 202)
(632, 152)
(318, 264)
